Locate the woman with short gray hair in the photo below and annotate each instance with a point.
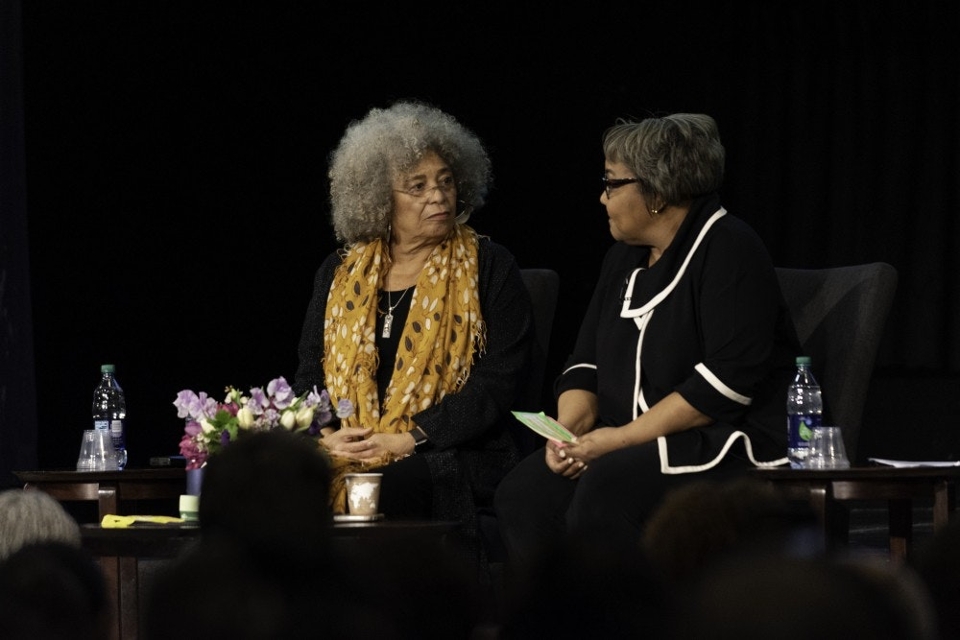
(29, 516)
(683, 358)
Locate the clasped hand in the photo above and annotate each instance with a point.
(360, 443)
(571, 459)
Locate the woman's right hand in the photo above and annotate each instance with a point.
(344, 435)
(560, 463)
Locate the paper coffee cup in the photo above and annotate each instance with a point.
(363, 493)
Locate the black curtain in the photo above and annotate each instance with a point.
(18, 421)
(847, 135)
(176, 164)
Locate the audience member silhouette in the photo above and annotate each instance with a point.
(769, 595)
(578, 591)
(265, 566)
(52, 590)
(267, 490)
(262, 568)
(938, 565)
(30, 516)
(705, 521)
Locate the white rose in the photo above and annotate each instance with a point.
(305, 417)
(245, 417)
(288, 419)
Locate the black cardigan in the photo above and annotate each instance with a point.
(708, 321)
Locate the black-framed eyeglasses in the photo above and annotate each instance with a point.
(609, 184)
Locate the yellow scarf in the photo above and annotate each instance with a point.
(444, 330)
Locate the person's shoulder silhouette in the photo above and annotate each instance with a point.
(262, 567)
(53, 590)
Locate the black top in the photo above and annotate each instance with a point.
(708, 321)
(387, 347)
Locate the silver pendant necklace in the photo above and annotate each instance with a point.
(388, 319)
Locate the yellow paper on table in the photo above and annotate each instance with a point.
(111, 521)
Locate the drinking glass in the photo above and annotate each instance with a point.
(827, 450)
(96, 451)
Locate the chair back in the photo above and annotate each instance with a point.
(544, 288)
(839, 314)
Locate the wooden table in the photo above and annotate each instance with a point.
(130, 557)
(109, 488)
(898, 487)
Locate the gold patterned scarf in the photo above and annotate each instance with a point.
(444, 330)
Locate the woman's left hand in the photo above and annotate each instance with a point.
(594, 444)
(376, 446)
(561, 464)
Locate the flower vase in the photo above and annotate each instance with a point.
(194, 481)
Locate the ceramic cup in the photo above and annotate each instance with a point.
(363, 493)
(190, 508)
(827, 450)
(97, 452)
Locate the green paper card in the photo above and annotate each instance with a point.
(545, 426)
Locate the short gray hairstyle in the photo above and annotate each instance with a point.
(388, 143)
(677, 157)
(30, 516)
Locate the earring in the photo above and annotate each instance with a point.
(465, 211)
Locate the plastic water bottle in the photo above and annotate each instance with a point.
(804, 412)
(110, 411)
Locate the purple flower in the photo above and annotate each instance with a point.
(193, 428)
(344, 408)
(185, 399)
(258, 401)
(271, 417)
(315, 398)
(321, 416)
(281, 392)
(191, 405)
(192, 453)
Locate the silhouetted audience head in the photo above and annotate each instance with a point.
(266, 565)
(222, 589)
(270, 491)
(50, 590)
(579, 591)
(778, 596)
(262, 568)
(705, 521)
(419, 583)
(30, 516)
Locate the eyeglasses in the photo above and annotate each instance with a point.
(609, 184)
(421, 191)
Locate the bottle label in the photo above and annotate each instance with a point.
(116, 430)
(799, 429)
(101, 424)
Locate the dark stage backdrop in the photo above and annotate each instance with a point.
(176, 159)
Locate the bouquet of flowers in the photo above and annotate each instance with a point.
(212, 425)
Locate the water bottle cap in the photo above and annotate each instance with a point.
(106, 368)
(803, 359)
